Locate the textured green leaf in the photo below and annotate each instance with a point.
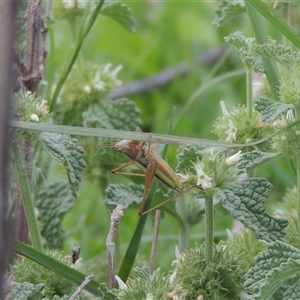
(293, 293)
(245, 202)
(130, 196)
(278, 52)
(65, 150)
(254, 159)
(272, 269)
(105, 293)
(245, 47)
(119, 12)
(27, 291)
(53, 203)
(271, 110)
(226, 10)
(119, 114)
(187, 155)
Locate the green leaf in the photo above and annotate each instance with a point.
(119, 114)
(187, 155)
(245, 202)
(66, 151)
(272, 269)
(130, 196)
(293, 293)
(121, 13)
(105, 293)
(277, 21)
(278, 52)
(226, 10)
(254, 159)
(27, 291)
(245, 47)
(271, 110)
(53, 203)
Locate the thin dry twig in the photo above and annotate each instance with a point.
(27, 15)
(164, 77)
(82, 286)
(154, 240)
(115, 219)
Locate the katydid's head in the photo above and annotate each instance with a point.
(131, 148)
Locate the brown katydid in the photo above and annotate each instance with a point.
(147, 159)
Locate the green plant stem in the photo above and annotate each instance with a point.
(261, 37)
(75, 53)
(209, 229)
(249, 87)
(26, 198)
(184, 226)
(298, 188)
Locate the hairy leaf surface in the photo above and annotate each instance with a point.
(65, 150)
(245, 202)
(53, 203)
(274, 267)
(271, 110)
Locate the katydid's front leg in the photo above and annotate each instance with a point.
(150, 173)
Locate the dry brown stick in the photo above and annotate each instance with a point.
(154, 240)
(82, 286)
(164, 77)
(115, 219)
(27, 15)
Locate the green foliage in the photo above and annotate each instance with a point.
(66, 151)
(25, 270)
(53, 203)
(28, 107)
(251, 160)
(68, 9)
(237, 126)
(186, 155)
(127, 195)
(150, 286)
(272, 269)
(121, 13)
(27, 291)
(84, 100)
(226, 10)
(271, 110)
(245, 245)
(284, 55)
(222, 278)
(120, 114)
(245, 47)
(245, 202)
(288, 142)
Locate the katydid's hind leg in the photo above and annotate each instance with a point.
(116, 170)
(150, 173)
(168, 200)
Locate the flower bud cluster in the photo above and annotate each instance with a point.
(89, 84)
(236, 126)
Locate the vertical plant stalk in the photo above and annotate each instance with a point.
(26, 198)
(70, 63)
(115, 219)
(184, 226)
(249, 90)
(209, 229)
(261, 37)
(154, 240)
(298, 188)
